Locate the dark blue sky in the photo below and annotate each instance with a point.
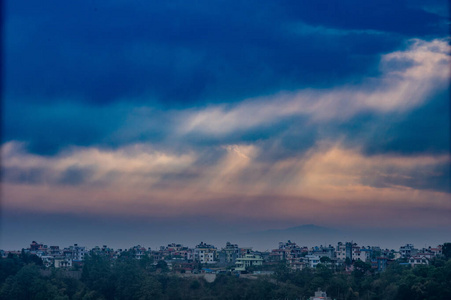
(190, 84)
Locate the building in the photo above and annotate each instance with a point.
(407, 251)
(229, 254)
(380, 263)
(312, 260)
(363, 254)
(290, 252)
(322, 251)
(75, 252)
(320, 295)
(418, 260)
(345, 251)
(62, 262)
(247, 261)
(205, 254)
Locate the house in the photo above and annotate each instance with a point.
(418, 260)
(407, 251)
(298, 266)
(322, 251)
(205, 254)
(312, 260)
(62, 262)
(289, 252)
(380, 263)
(320, 295)
(229, 254)
(363, 254)
(183, 267)
(55, 250)
(247, 261)
(47, 260)
(345, 251)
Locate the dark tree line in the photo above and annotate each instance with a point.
(21, 277)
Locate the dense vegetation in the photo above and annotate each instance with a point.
(22, 277)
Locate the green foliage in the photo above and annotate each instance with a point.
(348, 261)
(361, 268)
(28, 284)
(324, 259)
(128, 278)
(282, 271)
(195, 285)
(162, 266)
(9, 266)
(446, 250)
(30, 258)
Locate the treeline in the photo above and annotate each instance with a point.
(21, 277)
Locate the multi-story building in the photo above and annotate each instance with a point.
(312, 260)
(247, 261)
(418, 260)
(34, 246)
(55, 250)
(62, 262)
(345, 251)
(353, 252)
(229, 254)
(322, 251)
(379, 263)
(75, 252)
(407, 251)
(340, 252)
(205, 254)
(363, 254)
(289, 251)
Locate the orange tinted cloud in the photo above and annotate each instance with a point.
(330, 183)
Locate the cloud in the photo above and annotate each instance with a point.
(399, 17)
(401, 87)
(134, 164)
(178, 56)
(137, 180)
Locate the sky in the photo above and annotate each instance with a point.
(150, 121)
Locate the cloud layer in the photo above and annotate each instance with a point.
(138, 180)
(268, 112)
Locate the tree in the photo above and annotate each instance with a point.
(9, 266)
(282, 272)
(360, 268)
(162, 265)
(97, 275)
(348, 261)
(446, 250)
(28, 284)
(324, 259)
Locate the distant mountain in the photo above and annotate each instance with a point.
(303, 235)
(302, 229)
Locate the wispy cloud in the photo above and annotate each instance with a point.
(408, 78)
(140, 181)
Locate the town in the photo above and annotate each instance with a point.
(207, 258)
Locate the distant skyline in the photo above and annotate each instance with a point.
(133, 122)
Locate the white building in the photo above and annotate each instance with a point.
(340, 252)
(362, 254)
(320, 295)
(205, 254)
(312, 260)
(418, 260)
(47, 260)
(62, 262)
(247, 261)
